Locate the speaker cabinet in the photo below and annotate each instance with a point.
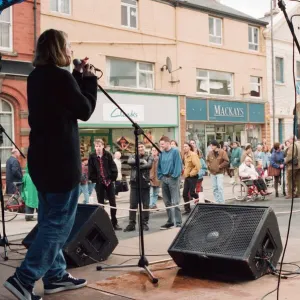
(92, 235)
(228, 242)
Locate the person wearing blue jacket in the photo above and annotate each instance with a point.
(276, 165)
(235, 159)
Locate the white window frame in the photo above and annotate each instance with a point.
(252, 37)
(215, 30)
(283, 71)
(208, 78)
(138, 71)
(3, 163)
(59, 8)
(128, 6)
(10, 48)
(258, 85)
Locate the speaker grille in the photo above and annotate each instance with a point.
(218, 229)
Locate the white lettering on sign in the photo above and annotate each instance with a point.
(113, 113)
(221, 111)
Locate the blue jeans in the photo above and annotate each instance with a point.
(218, 187)
(153, 195)
(91, 187)
(171, 195)
(55, 221)
(84, 188)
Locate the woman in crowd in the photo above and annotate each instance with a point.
(247, 153)
(266, 155)
(154, 182)
(174, 144)
(118, 162)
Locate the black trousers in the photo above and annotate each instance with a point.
(134, 204)
(260, 184)
(101, 188)
(189, 188)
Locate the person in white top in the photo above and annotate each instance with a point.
(118, 162)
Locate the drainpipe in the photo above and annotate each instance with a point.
(273, 71)
(34, 23)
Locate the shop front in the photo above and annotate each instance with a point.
(224, 121)
(157, 114)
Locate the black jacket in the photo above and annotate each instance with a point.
(13, 174)
(146, 165)
(56, 99)
(110, 167)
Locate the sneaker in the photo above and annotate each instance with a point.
(145, 227)
(20, 291)
(68, 282)
(178, 225)
(129, 227)
(167, 226)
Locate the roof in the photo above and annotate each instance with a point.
(214, 6)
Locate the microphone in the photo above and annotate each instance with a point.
(78, 62)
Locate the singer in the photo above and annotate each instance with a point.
(56, 99)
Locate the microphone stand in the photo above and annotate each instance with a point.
(4, 240)
(143, 262)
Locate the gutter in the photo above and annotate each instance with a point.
(34, 23)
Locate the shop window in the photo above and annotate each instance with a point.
(253, 38)
(255, 86)
(130, 74)
(279, 64)
(61, 6)
(6, 29)
(7, 121)
(129, 13)
(215, 30)
(214, 83)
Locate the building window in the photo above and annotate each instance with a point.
(279, 64)
(215, 30)
(298, 77)
(6, 120)
(129, 13)
(6, 29)
(214, 83)
(253, 36)
(255, 86)
(130, 74)
(61, 6)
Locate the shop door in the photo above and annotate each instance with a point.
(210, 137)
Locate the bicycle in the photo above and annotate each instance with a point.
(13, 204)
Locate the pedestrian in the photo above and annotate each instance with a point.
(83, 186)
(154, 182)
(118, 162)
(56, 99)
(169, 172)
(195, 148)
(191, 162)
(103, 171)
(13, 172)
(145, 166)
(174, 144)
(217, 160)
(258, 154)
(235, 160)
(247, 153)
(276, 166)
(227, 149)
(266, 157)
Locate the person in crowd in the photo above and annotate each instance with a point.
(195, 148)
(174, 144)
(290, 161)
(29, 195)
(217, 160)
(191, 162)
(118, 162)
(56, 99)
(266, 156)
(235, 159)
(227, 149)
(84, 187)
(108, 148)
(276, 166)
(13, 172)
(247, 153)
(258, 154)
(145, 167)
(260, 170)
(168, 171)
(247, 170)
(103, 171)
(154, 182)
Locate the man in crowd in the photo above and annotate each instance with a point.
(169, 171)
(235, 159)
(13, 172)
(217, 160)
(103, 171)
(145, 166)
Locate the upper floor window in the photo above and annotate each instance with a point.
(6, 29)
(253, 38)
(61, 6)
(129, 13)
(214, 83)
(279, 65)
(215, 30)
(255, 86)
(130, 74)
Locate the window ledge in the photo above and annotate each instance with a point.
(9, 53)
(280, 83)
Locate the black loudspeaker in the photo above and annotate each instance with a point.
(92, 235)
(230, 242)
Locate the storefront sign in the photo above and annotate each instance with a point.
(113, 113)
(227, 111)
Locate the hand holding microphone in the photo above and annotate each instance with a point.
(82, 66)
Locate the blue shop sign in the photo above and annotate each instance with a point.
(196, 110)
(256, 113)
(228, 111)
